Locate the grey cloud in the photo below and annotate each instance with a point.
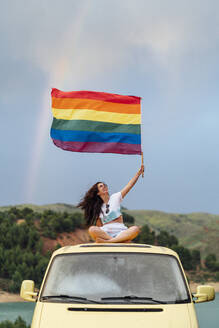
(164, 51)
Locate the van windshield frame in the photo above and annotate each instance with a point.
(147, 287)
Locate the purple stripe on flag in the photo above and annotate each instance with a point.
(99, 147)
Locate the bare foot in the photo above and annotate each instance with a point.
(101, 240)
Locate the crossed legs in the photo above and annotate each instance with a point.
(101, 236)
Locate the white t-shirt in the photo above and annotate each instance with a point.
(114, 209)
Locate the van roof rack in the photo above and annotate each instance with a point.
(115, 245)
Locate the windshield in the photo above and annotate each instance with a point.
(115, 278)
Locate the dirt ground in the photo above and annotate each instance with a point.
(193, 286)
(6, 297)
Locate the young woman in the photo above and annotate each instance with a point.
(103, 213)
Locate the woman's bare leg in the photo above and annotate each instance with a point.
(124, 236)
(96, 232)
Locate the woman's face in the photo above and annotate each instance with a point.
(102, 189)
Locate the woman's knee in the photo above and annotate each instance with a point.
(135, 229)
(93, 230)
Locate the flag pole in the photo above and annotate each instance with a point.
(142, 162)
(142, 155)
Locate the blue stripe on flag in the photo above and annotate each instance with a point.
(89, 136)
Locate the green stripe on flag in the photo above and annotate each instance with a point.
(83, 125)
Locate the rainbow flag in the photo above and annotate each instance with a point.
(96, 122)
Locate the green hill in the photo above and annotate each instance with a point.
(194, 230)
(29, 233)
(57, 207)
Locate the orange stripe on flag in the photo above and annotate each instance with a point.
(98, 105)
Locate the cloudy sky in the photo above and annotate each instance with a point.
(163, 51)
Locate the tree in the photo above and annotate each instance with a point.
(196, 258)
(128, 218)
(185, 256)
(27, 211)
(16, 282)
(211, 262)
(166, 240)
(19, 323)
(146, 236)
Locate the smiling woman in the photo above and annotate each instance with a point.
(103, 213)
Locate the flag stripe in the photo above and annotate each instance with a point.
(84, 125)
(76, 103)
(99, 147)
(92, 115)
(87, 136)
(111, 97)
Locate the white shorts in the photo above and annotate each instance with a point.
(114, 229)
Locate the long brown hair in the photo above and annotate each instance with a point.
(91, 204)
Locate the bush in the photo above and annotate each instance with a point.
(20, 250)
(166, 240)
(185, 256)
(19, 323)
(16, 281)
(127, 218)
(196, 258)
(211, 262)
(52, 223)
(146, 236)
(217, 276)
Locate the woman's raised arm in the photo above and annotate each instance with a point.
(132, 182)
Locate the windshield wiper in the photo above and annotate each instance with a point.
(74, 298)
(182, 301)
(132, 297)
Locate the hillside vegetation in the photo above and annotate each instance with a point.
(57, 207)
(29, 236)
(193, 230)
(19, 323)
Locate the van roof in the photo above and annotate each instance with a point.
(110, 247)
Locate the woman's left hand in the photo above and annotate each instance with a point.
(141, 171)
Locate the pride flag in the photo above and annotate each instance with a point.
(96, 122)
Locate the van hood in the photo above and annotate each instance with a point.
(56, 315)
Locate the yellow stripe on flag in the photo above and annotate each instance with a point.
(93, 115)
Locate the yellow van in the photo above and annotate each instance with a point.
(114, 285)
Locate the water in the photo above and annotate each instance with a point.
(10, 311)
(208, 313)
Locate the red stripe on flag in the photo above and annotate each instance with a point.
(99, 147)
(110, 97)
